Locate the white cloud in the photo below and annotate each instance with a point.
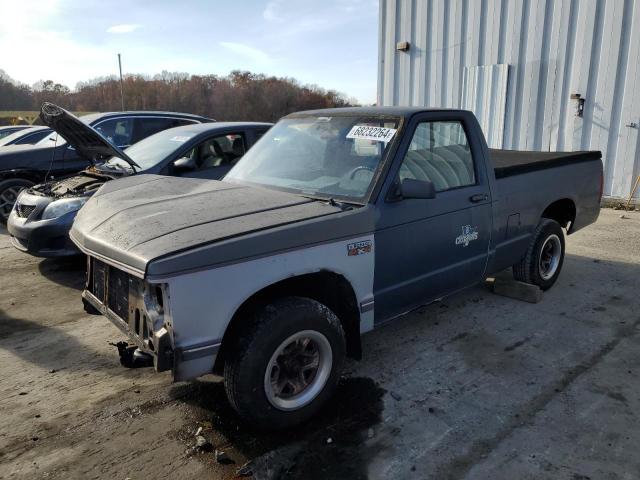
(272, 11)
(55, 53)
(295, 18)
(125, 28)
(251, 53)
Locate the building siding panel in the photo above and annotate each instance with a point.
(551, 50)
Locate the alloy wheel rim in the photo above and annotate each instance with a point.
(8, 198)
(550, 255)
(298, 370)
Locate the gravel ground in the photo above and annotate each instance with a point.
(476, 386)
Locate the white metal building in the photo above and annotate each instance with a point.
(538, 74)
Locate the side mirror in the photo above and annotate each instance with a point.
(410, 188)
(184, 164)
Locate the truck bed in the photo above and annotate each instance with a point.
(512, 162)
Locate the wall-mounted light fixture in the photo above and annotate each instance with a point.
(580, 104)
(403, 46)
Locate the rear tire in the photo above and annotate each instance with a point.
(9, 190)
(286, 365)
(543, 260)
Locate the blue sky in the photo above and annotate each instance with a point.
(330, 43)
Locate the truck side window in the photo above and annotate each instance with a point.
(439, 152)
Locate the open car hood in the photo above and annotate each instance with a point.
(86, 140)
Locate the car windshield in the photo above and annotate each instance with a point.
(152, 150)
(329, 157)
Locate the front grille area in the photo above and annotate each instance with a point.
(24, 211)
(113, 287)
(118, 292)
(134, 307)
(98, 274)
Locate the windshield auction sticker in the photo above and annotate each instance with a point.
(378, 134)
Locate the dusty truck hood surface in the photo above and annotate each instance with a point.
(144, 217)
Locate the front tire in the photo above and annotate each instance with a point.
(543, 260)
(285, 367)
(9, 190)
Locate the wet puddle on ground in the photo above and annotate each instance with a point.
(336, 443)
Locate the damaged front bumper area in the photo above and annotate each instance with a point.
(32, 234)
(136, 307)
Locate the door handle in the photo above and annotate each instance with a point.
(480, 197)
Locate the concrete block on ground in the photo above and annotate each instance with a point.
(517, 290)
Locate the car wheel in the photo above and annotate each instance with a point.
(286, 366)
(9, 190)
(543, 261)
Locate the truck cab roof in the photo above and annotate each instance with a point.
(374, 111)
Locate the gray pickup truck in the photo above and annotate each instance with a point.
(336, 221)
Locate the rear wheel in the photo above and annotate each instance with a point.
(543, 260)
(286, 366)
(9, 190)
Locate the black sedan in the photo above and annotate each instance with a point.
(9, 129)
(43, 214)
(25, 136)
(23, 166)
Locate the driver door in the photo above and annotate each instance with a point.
(427, 248)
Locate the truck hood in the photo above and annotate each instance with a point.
(144, 217)
(87, 141)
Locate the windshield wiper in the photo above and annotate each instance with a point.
(341, 204)
(333, 202)
(131, 164)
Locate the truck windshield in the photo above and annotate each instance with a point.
(328, 157)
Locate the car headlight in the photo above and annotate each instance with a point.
(15, 204)
(60, 207)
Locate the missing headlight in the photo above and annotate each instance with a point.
(159, 298)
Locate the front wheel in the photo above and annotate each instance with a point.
(286, 366)
(543, 260)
